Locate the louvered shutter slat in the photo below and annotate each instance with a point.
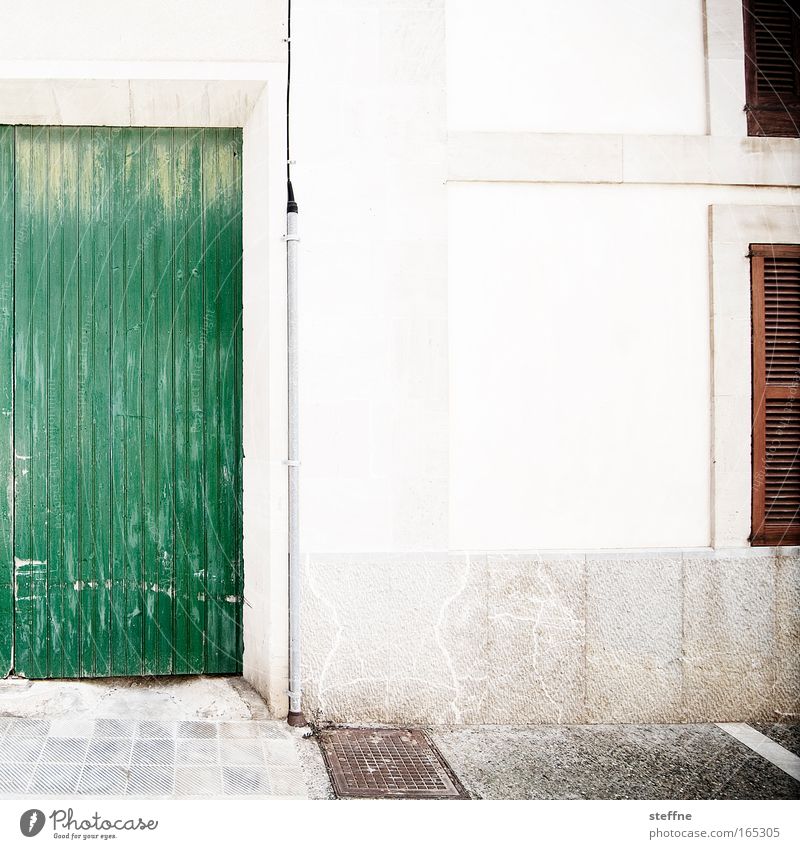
(776, 394)
(772, 47)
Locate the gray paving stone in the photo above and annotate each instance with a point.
(55, 778)
(153, 752)
(21, 749)
(15, 777)
(198, 781)
(64, 750)
(107, 750)
(241, 752)
(197, 752)
(103, 780)
(72, 728)
(150, 780)
(199, 729)
(287, 782)
(238, 730)
(245, 781)
(28, 728)
(280, 752)
(156, 730)
(272, 730)
(114, 728)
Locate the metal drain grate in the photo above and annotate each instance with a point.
(375, 763)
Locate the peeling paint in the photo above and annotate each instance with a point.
(19, 562)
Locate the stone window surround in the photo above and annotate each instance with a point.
(732, 229)
(724, 36)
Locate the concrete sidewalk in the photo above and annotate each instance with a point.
(616, 762)
(194, 737)
(206, 737)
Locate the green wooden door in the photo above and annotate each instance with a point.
(120, 395)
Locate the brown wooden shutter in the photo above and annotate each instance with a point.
(775, 277)
(772, 56)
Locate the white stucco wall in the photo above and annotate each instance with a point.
(506, 340)
(579, 367)
(144, 31)
(369, 139)
(580, 67)
(580, 357)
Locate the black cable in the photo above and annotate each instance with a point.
(291, 206)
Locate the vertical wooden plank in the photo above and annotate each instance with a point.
(23, 662)
(86, 412)
(71, 569)
(118, 215)
(181, 391)
(227, 600)
(6, 399)
(101, 397)
(134, 421)
(164, 198)
(211, 501)
(195, 517)
(37, 464)
(55, 409)
(150, 356)
(237, 406)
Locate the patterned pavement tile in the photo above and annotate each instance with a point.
(21, 749)
(197, 752)
(271, 730)
(156, 730)
(280, 753)
(15, 777)
(55, 778)
(106, 750)
(116, 757)
(64, 750)
(103, 780)
(287, 782)
(241, 752)
(113, 728)
(150, 780)
(153, 752)
(28, 728)
(238, 730)
(202, 730)
(198, 781)
(245, 781)
(72, 728)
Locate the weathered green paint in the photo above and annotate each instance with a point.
(122, 528)
(6, 399)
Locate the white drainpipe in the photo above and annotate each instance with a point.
(295, 716)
